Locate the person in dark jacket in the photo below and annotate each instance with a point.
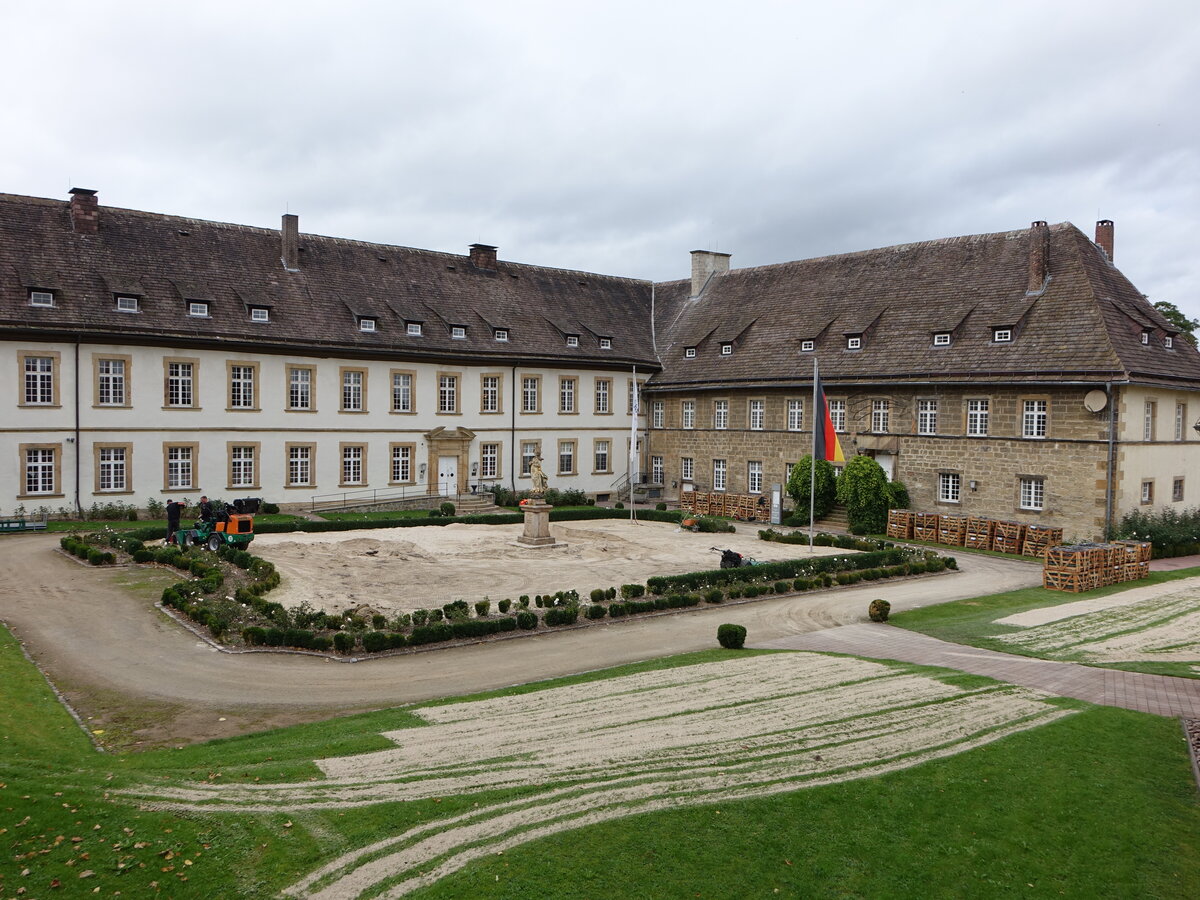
(174, 513)
(206, 509)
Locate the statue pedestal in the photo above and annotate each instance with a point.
(537, 525)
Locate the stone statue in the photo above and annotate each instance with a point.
(538, 477)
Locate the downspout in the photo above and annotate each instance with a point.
(78, 508)
(1110, 476)
(512, 437)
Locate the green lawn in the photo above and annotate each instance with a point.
(973, 621)
(1099, 804)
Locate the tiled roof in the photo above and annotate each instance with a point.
(1085, 325)
(165, 260)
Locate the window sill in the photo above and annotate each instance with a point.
(299, 487)
(182, 408)
(40, 496)
(104, 493)
(298, 409)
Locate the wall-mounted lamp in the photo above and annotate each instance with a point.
(974, 484)
(674, 484)
(72, 440)
(1196, 427)
(474, 469)
(421, 472)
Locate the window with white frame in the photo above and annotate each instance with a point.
(1177, 490)
(1002, 335)
(572, 340)
(458, 333)
(1033, 418)
(600, 464)
(854, 343)
(978, 412)
(352, 390)
(566, 395)
(1150, 420)
(241, 387)
(1148, 491)
(180, 384)
(949, 487)
(112, 468)
(941, 339)
(718, 474)
(402, 464)
(927, 416)
(1145, 337)
(489, 460)
(299, 388)
(1033, 493)
(367, 324)
(198, 309)
(180, 468)
(1169, 342)
(689, 352)
(501, 334)
(110, 386)
(687, 468)
(807, 346)
(127, 304)
(633, 399)
(352, 465)
(489, 386)
(758, 415)
(658, 414)
(603, 390)
(566, 457)
(529, 394)
(447, 394)
(837, 414)
(727, 349)
(402, 392)
(795, 415)
(1180, 420)
(299, 466)
(721, 414)
(656, 470)
(529, 449)
(260, 314)
(39, 470)
(605, 343)
(688, 413)
(412, 329)
(39, 380)
(241, 466)
(881, 412)
(41, 298)
(754, 476)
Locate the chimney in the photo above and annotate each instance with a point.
(1039, 256)
(1104, 237)
(483, 256)
(85, 211)
(291, 243)
(706, 264)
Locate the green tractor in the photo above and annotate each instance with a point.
(233, 530)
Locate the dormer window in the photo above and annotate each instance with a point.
(458, 332)
(500, 334)
(854, 343)
(941, 339)
(605, 343)
(41, 298)
(412, 329)
(807, 346)
(689, 352)
(1002, 335)
(368, 324)
(197, 308)
(260, 314)
(130, 305)
(572, 340)
(1145, 337)
(1169, 342)
(727, 349)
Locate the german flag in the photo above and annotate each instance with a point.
(825, 440)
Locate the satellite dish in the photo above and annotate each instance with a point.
(1095, 401)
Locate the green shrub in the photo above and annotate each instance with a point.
(482, 608)
(374, 641)
(632, 591)
(863, 490)
(596, 611)
(457, 609)
(618, 505)
(254, 636)
(143, 555)
(799, 488)
(321, 642)
(562, 615)
(714, 596)
(420, 617)
(782, 587)
(446, 509)
(710, 525)
(878, 610)
(527, 621)
(343, 642)
(897, 495)
(95, 557)
(378, 622)
(734, 592)
(597, 595)
(504, 606)
(660, 506)
(275, 637)
(731, 637)
(431, 634)
(396, 640)
(270, 509)
(435, 615)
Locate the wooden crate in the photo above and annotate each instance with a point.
(979, 533)
(1068, 580)
(700, 504)
(687, 500)
(1039, 538)
(925, 526)
(1007, 536)
(952, 530)
(1136, 571)
(1141, 551)
(900, 524)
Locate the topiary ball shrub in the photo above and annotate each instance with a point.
(504, 606)
(618, 505)
(661, 507)
(597, 595)
(596, 611)
(270, 509)
(447, 509)
(731, 637)
(526, 620)
(482, 607)
(879, 610)
(375, 641)
(714, 596)
(342, 642)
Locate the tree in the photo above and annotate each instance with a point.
(863, 490)
(1173, 314)
(798, 488)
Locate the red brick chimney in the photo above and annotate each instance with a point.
(291, 242)
(1104, 237)
(483, 256)
(1039, 256)
(85, 211)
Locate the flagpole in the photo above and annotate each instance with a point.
(812, 464)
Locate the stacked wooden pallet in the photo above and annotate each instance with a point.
(1039, 539)
(1082, 567)
(952, 530)
(979, 533)
(925, 527)
(687, 501)
(1136, 559)
(900, 524)
(1007, 537)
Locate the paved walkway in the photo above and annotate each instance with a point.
(1158, 694)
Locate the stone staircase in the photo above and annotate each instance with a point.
(475, 504)
(836, 521)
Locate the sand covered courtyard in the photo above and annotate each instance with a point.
(395, 570)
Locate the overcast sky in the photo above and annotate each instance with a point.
(617, 136)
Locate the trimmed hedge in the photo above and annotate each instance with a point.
(769, 572)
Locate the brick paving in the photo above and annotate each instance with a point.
(1158, 694)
